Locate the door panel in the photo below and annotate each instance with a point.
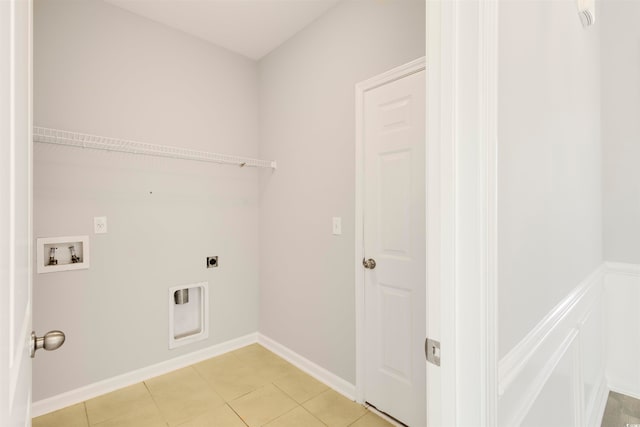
(395, 340)
(394, 236)
(395, 203)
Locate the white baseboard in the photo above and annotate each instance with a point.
(597, 407)
(622, 293)
(514, 362)
(321, 374)
(629, 389)
(623, 268)
(90, 391)
(556, 359)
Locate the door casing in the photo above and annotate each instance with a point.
(462, 134)
(16, 203)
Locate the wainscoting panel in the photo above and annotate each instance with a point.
(592, 356)
(622, 290)
(555, 375)
(550, 408)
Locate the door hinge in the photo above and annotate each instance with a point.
(432, 350)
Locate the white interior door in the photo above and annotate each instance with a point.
(394, 237)
(15, 212)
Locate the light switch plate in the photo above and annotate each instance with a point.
(337, 225)
(100, 225)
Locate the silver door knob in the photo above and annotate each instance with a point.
(50, 341)
(369, 263)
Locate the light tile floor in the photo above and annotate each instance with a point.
(247, 387)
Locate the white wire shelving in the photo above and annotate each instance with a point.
(75, 139)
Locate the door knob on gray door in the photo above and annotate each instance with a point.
(369, 263)
(50, 341)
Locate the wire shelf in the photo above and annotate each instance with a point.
(74, 139)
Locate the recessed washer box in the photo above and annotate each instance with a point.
(188, 314)
(62, 253)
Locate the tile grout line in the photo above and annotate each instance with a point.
(237, 415)
(307, 411)
(86, 413)
(153, 399)
(259, 359)
(304, 401)
(208, 383)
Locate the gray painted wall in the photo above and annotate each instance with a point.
(101, 70)
(307, 121)
(621, 129)
(550, 214)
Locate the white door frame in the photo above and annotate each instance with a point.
(16, 43)
(361, 88)
(462, 53)
(462, 195)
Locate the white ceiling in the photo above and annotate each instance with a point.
(249, 27)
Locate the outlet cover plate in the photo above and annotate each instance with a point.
(100, 225)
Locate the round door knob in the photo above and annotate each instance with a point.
(50, 341)
(369, 263)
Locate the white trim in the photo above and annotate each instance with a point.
(527, 368)
(30, 235)
(630, 389)
(433, 408)
(513, 363)
(541, 379)
(13, 355)
(392, 75)
(593, 409)
(361, 88)
(338, 384)
(620, 378)
(594, 417)
(443, 136)
(577, 373)
(623, 268)
(467, 147)
(488, 123)
(359, 244)
(90, 391)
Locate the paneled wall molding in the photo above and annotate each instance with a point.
(541, 379)
(558, 355)
(595, 407)
(512, 364)
(622, 291)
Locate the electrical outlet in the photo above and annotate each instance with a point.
(100, 225)
(212, 261)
